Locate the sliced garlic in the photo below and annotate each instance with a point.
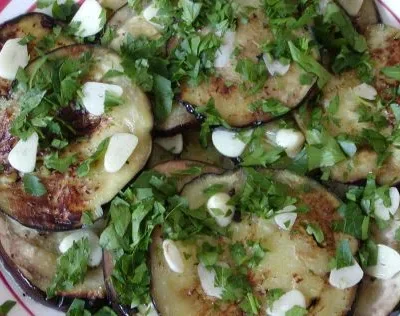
(89, 18)
(173, 256)
(150, 13)
(388, 263)
(23, 156)
(12, 56)
(228, 143)
(120, 148)
(94, 95)
(346, 277)
(291, 140)
(218, 207)
(286, 302)
(384, 212)
(275, 67)
(365, 91)
(173, 144)
(207, 281)
(286, 217)
(224, 53)
(96, 253)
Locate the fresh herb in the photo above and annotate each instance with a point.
(53, 161)
(212, 119)
(368, 253)
(397, 234)
(344, 257)
(322, 150)
(296, 311)
(108, 35)
(208, 254)
(354, 222)
(270, 106)
(84, 169)
(71, 267)
(26, 39)
(392, 72)
(33, 186)
(316, 231)
(274, 295)
(87, 218)
(309, 64)
(6, 307)
(163, 96)
(253, 73)
(112, 100)
(77, 308)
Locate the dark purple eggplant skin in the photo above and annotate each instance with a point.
(60, 303)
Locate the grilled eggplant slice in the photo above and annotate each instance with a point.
(231, 101)
(294, 259)
(347, 121)
(69, 195)
(36, 24)
(31, 257)
(384, 45)
(127, 21)
(375, 296)
(170, 168)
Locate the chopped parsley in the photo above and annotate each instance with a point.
(71, 268)
(33, 186)
(84, 168)
(392, 72)
(316, 231)
(77, 308)
(344, 257)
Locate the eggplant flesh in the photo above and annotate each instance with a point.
(231, 100)
(31, 257)
(36, 24)
(112, 4)
(68, 195)
(294, 259)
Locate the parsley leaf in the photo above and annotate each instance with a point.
(368, 253)
(71, 267)
(296, 311)
(272, 106)
(392, 72)
(33, 186)
(53, 161)
(344, 257)
(84, 168)
(251, 72)
(316, 231)
(190, 11)
(6, 307)
(274, 295)
(77, 308)
(309, 64)
(163, 96)
(212, 118)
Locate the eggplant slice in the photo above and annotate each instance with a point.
(170, 168)
(68, 195)
(178, 120)
(112, 4)
(376, 296)
(36, 24)
(384, 45)
(31, 258)
(346, 121)
(294, 259)
(127, 21)
(231, 101)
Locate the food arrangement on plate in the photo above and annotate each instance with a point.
(202, 157)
